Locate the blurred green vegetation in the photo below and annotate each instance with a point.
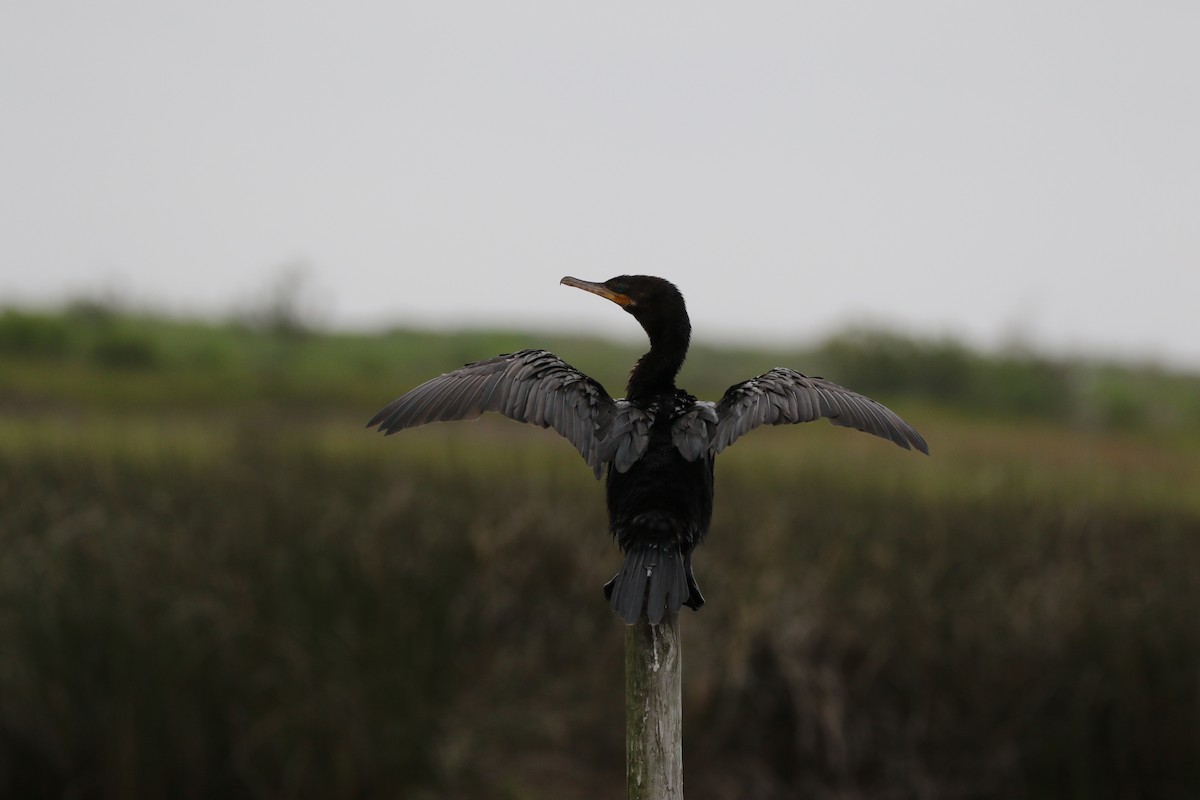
(215, 583)
(97, 356)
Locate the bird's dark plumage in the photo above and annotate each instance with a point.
(658, 443)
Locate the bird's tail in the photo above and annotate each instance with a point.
(656, 577)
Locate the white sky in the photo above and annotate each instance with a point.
(990, 170)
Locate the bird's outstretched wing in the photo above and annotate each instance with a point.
(532, 386)
(784, 396)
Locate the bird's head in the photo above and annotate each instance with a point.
(659, 307)
(653, 302)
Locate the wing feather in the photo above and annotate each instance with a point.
(692, 432)
(784, 396)
(532, 386)
(628, 437)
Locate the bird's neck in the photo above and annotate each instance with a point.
(655, 372)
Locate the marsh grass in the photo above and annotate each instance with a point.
(257, 598)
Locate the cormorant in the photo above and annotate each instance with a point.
(658, 443)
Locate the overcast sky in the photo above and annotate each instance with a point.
(997, 171)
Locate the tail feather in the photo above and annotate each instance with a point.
(655, 578)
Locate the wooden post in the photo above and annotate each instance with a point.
(653, 711)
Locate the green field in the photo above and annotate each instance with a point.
(214, 583)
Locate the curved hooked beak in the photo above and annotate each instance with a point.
(622, 300)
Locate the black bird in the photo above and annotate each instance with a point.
(658, 443)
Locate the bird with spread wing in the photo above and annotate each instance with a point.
(657, 444)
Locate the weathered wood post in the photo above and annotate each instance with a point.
(653, 711)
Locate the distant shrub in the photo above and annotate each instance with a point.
(878, 361)
(94, 309)
(125, 349)
(287, 307)
(211, 355)
(1117, 406)
(1025, 385)
(23, 333)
